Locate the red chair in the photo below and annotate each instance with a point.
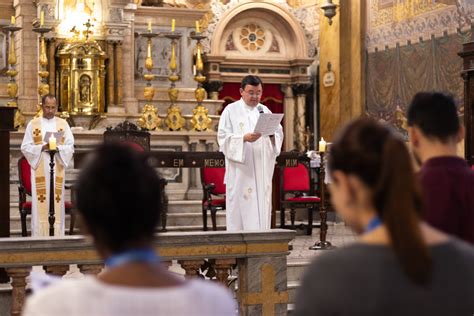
(24, 189)
(212, 180)
(294, 183)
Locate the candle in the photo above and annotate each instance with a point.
(13, 20)
(149, 26)
(52, 142)
(173, 24)
(194, 70)
(41, 18)
(322, 145)
(197, 27)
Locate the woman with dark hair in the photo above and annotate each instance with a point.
(118, 200)
(400, 266)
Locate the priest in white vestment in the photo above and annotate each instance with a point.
(250, 160)
(34, 148)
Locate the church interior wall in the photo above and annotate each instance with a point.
(413, 46)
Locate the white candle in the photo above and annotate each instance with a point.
(173, 24)
(194, 70)
(322, 145)
(13, 20)
(52, 142)
(149, 26)
(41, 18)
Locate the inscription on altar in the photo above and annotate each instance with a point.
(178, 163)
(291, 163)
(219, 163)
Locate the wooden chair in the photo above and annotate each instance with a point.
(24, 190)
(295, 183)
(212, 180)
(129, 133)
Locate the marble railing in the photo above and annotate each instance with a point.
(259, 256)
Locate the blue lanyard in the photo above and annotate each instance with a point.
(133, 255)
(373, 224)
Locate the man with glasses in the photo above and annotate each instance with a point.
(250, 160)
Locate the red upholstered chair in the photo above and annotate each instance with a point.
(294, 185)
(24, 190)
(212, 180)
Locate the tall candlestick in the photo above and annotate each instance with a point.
(322, 145)
(41, 18)
(13, 20)
(149, 26)
(197, 27)
(52, 142)
(173, 24)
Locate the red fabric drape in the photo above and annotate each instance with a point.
(272, 96)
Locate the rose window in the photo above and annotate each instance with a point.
(252, 37)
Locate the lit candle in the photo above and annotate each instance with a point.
(197, 27)
(173, 24)
(41, 18)
(52, 142)
(13, 20)
(149, 26)
(322, 145)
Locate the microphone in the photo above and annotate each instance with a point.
(260, 109)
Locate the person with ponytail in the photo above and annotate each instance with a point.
(400, 265)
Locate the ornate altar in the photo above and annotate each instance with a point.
(81, 77)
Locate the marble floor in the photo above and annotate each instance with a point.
(338, 234)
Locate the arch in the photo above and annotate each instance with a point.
(270, 10)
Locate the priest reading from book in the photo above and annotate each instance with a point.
(250, 159)
(44, 133)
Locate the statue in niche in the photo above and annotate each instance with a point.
(85, 89)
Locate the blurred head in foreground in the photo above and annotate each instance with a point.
(373, 177)
(118, 196)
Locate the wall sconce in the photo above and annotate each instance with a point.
(329, 9)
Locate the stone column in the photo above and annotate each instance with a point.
(52, 65)
(111, 74)
(129, 100)
(18, 276)
(27, 52)
(119, 73)
(57, 270)
(90, 269)
(191, 267)
(288, 119)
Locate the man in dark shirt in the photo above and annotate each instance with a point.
(447, 181)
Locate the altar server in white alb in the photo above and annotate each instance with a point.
(250, 160)
(34, 148)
